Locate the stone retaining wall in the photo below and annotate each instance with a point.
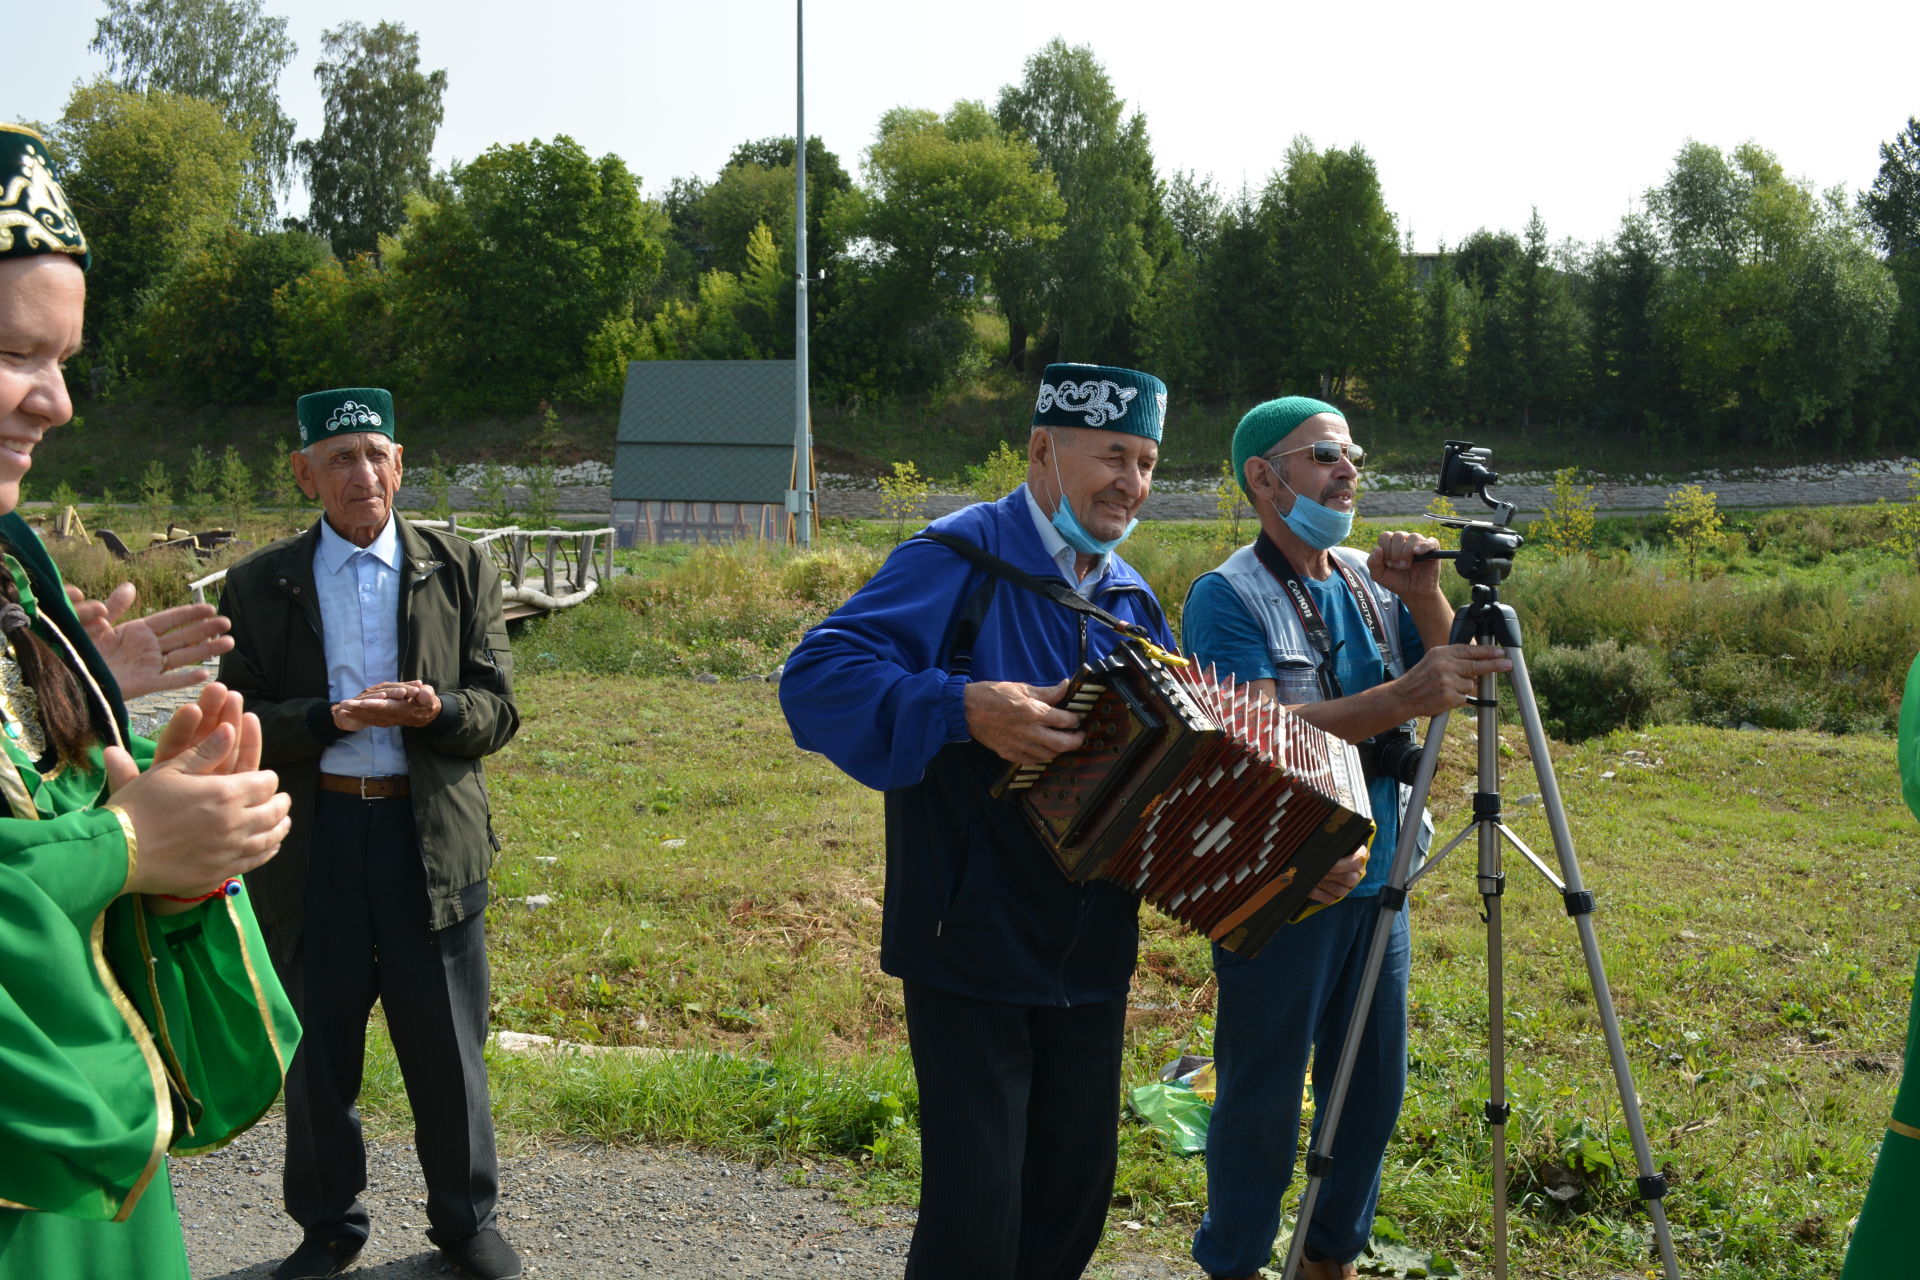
(597, 500)
(1526, 497)
(570, 500)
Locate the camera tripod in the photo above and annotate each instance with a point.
(1485, 556)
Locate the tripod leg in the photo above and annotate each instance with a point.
(1652, 1184)
(1392, 898)
(1492, 884)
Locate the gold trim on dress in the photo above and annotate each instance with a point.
(156, 1070)
(1903, 1129)
(266, 1024)
(93, 686)
(162, 1036)
(253, 979)
(14, 787)
(133, 840)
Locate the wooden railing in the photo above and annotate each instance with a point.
(540, 569)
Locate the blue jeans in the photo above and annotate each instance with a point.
(1292, 1001)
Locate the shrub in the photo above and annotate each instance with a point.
(160, 577)
(1732, 689)
(202, 475)
(334, 326)
(1230, 503)
(210, 325)
(543, 495)
(1693, 520)
(1566, 526)
(235, 484)
(1002, 473)
(494, 494)
(156, 490)
(439, 490)
(828, 576)
(903, 496)
(729, 611)
(1594, 690)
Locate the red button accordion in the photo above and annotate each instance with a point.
(1218, 807)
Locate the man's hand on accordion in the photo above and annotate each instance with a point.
(1019, 722)
(1341, 877)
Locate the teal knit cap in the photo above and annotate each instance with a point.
(1101, 396)
(1266, 425)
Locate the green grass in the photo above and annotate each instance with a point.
(1798, 620)
(1757, 914)
(715, 896)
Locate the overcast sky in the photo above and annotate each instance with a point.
(1474, 112)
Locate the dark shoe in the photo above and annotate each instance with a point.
(319, 1258)
(484, 1256)
(1328, 1270)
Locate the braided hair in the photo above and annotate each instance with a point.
(63, 703)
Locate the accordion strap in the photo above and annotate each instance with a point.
(1054, 589)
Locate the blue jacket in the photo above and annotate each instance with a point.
(974, 902)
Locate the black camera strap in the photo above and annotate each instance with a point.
(1054, 589)
(1319, 635)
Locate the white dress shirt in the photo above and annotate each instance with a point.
(359, 596)
(1063, 554)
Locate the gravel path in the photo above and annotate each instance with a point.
(575, 1212)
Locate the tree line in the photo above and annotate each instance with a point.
(1737, 305)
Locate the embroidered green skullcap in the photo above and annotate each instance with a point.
(1101, 396)
(34, 215)
(343, 412)
(1266, 425)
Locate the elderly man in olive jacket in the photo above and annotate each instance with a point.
(375, 654)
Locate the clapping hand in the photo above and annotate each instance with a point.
(392, 704)
(205, 811)
(161, 651)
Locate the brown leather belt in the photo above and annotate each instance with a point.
(366, 788)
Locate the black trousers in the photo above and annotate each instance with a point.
(367, 935)
(1019, 1134)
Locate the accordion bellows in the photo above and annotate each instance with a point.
(1221, 809)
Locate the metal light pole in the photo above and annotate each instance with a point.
(801, 499)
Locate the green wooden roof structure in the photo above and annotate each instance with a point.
(705, 431)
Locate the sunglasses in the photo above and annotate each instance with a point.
(1327, 452)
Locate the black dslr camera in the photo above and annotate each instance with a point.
(1394, 754)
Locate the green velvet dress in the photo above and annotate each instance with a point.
(123, 1035)
(1883, 1241)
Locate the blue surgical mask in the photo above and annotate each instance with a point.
(1320, 527)
(1069, 527)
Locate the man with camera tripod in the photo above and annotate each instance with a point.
(1356, 644)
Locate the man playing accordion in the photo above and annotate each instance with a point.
(924, 685)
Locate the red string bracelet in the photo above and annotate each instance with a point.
(228, 888)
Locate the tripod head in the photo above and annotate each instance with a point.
(1487, 547)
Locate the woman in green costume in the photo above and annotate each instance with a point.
(1883, 1241)
(138, 1012)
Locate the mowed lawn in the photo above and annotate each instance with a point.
(713, 889)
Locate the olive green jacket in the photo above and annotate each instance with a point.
(452, 636)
